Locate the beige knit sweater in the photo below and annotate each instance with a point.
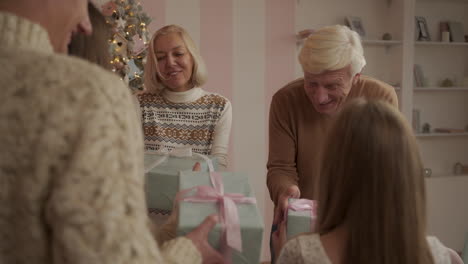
(71, 160)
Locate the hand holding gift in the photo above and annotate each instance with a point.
(199, 237)
(229, 195)
(291, 192)
(301, 217)
(279, 238)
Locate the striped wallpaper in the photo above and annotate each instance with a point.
(248, 47)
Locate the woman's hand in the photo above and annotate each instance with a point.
(199, 237)
(196, 167)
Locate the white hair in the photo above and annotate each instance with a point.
(332, 48)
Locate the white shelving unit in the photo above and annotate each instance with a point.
(441, 107)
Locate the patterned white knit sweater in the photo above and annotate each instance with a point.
(308, 249)
(194, 118)
(71, 160)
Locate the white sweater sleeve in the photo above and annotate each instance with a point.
(221, 137)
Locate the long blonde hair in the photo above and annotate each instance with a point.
(372, 182)
(153, 81)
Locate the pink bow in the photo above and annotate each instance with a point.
(229, 216)
(305, 205)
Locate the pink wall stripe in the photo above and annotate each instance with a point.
(216, 46)
(156, 9)
(216, 41)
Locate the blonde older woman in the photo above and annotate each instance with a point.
(175, 110)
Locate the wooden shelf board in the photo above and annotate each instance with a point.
(427, 135)
(443, 1)
(447, 175)
(439, 43)
(440, 89)
(376, 42)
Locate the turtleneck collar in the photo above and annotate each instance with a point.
(20, 33)
(183, 97)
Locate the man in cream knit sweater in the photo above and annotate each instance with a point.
(71, 151)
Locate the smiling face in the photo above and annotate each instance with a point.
(328, 90)
(175, 63)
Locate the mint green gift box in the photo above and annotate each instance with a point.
(299, 222)
(192, 214)
(162, 181)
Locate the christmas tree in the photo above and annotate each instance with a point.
(129, 41)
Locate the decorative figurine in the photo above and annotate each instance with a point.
(426, 128)
(457, 168)
(427, 172)
(446, 83)
(387, 36)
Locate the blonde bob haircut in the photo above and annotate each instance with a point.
(332, 48)
(153, 81)
(372, 183)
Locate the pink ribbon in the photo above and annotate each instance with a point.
(229, 216)
(301, 205)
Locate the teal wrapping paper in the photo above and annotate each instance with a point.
(162, 182)
(192, 214)
(299, 221)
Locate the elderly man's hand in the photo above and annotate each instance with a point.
(279, 238)
(291, 192)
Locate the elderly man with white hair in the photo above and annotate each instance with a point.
(332, 59)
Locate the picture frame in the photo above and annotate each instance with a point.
(416, 121)
(419, 80)
(422, 31)
(355, 23)
(456, 31)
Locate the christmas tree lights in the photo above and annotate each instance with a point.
(129, 41)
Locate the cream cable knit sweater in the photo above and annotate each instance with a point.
(71, 160)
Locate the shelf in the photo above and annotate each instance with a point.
(446, 175)
(444, 1)
(376, 42)
(365, 42)
(439, 43)
(440, 89)
(430, 135)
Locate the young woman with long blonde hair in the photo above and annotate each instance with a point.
(372, 198)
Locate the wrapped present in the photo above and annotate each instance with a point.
(162, 174)
(238, 234)
(301, 217)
